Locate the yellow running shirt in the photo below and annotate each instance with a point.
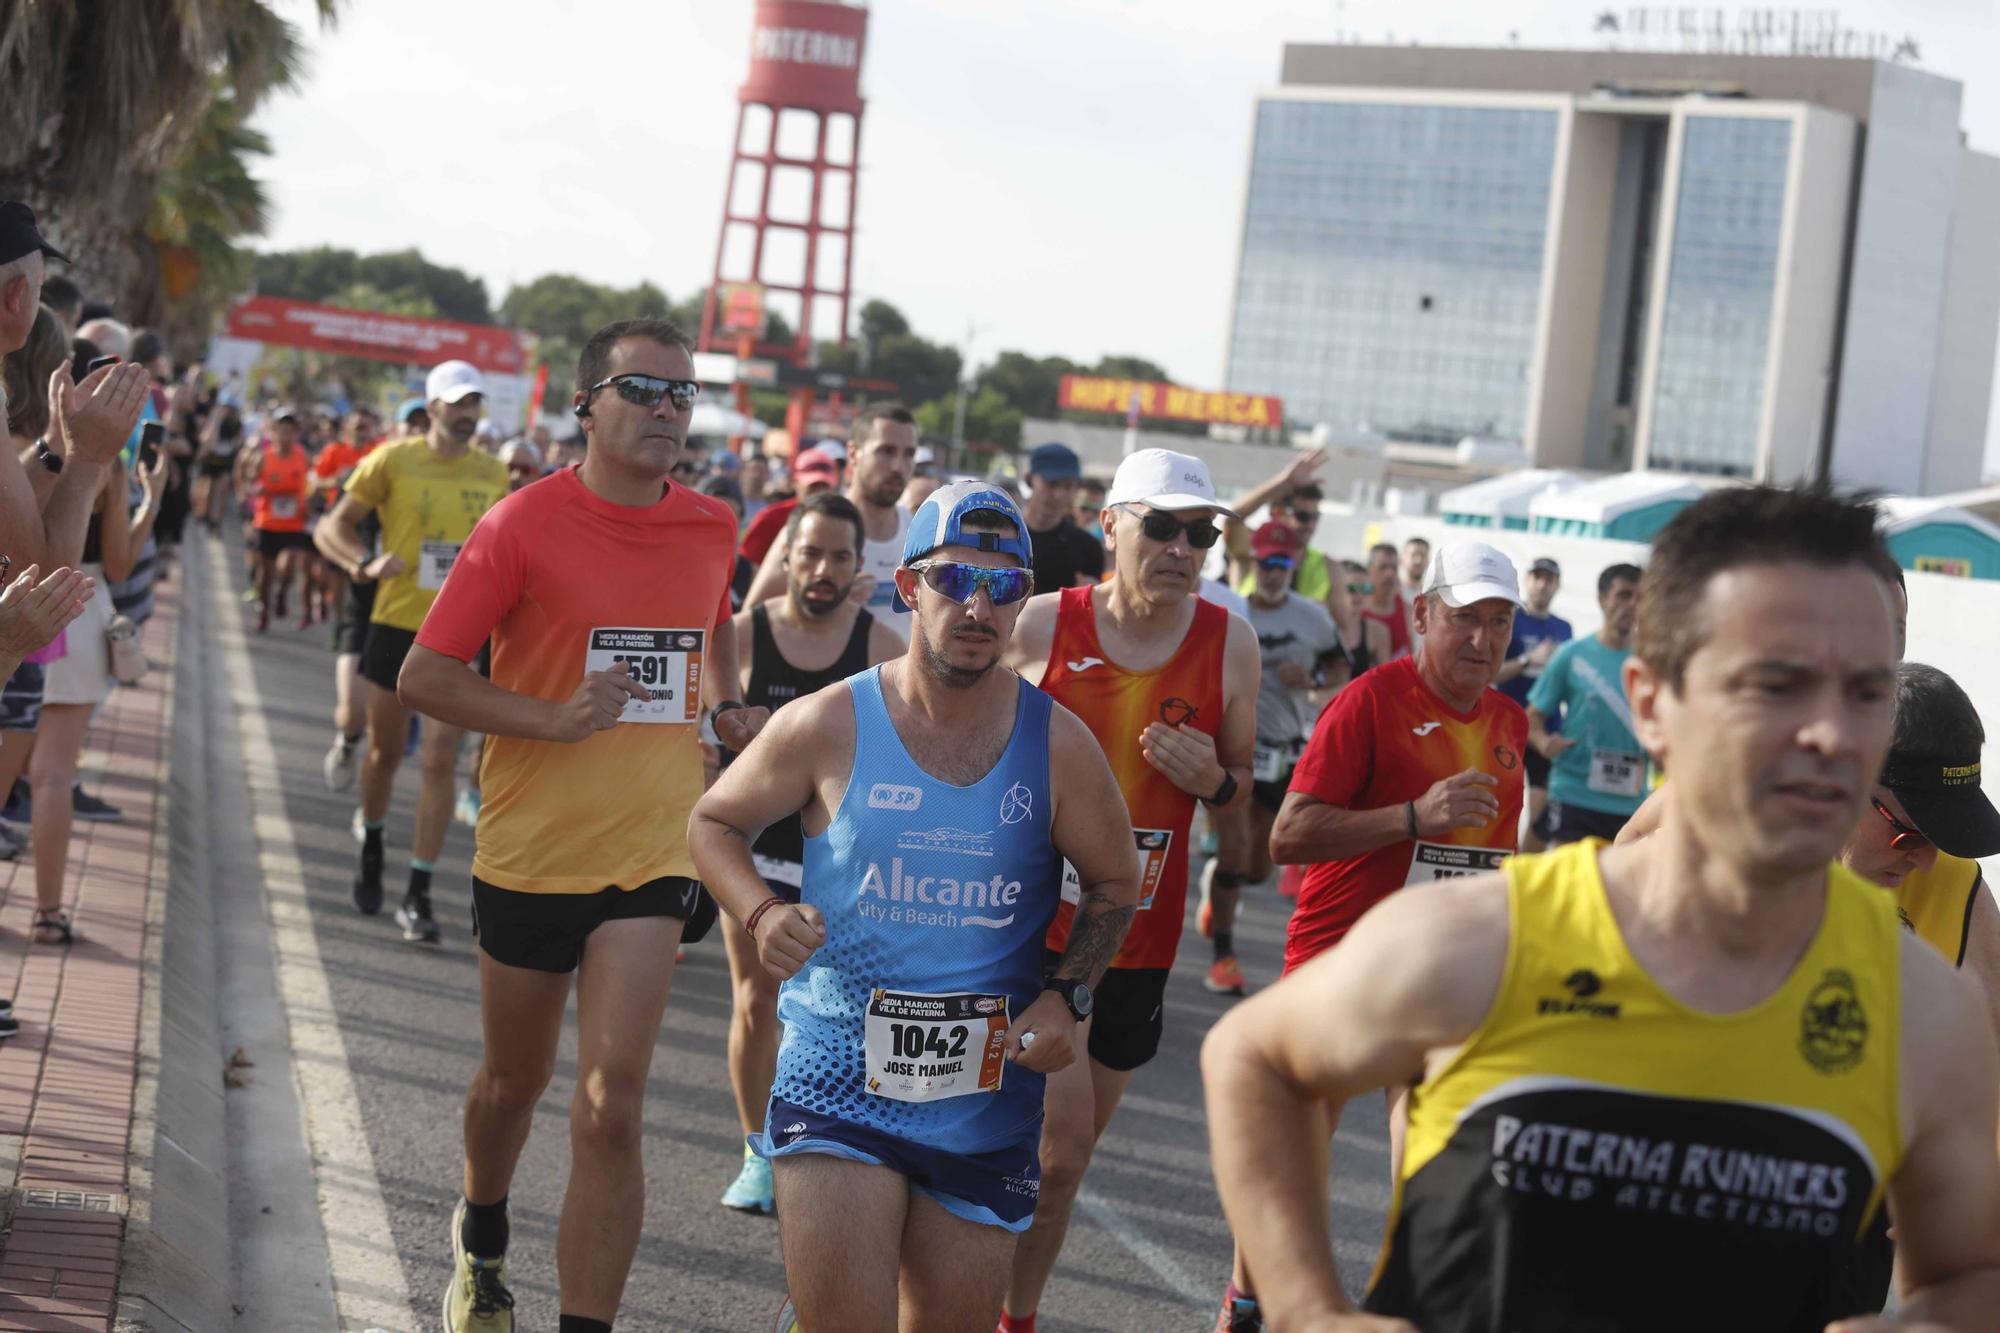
(1937, 904)
(1600, 1156)
(428, 506)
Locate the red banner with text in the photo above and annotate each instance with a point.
(378, 337)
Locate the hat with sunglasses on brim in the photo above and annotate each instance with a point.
(940, 519)
(1165, 480)
(1462, 573)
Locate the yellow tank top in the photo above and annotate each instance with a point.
(1937, 904)
(1600, 1156)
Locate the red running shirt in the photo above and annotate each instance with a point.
(1117, 704)
(1384, 740)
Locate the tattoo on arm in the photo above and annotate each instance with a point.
(1094, 937)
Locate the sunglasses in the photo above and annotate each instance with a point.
(1305, 517)
(1361, 589)
(961, 583)
(647, 390)
(1905, 838)
(1275, 562)
(1201, 533)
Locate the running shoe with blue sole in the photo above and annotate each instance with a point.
(750, 1192)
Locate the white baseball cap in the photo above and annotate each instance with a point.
(1462, 573)
(1165, 480)
(450, 381)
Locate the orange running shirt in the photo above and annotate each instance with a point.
(336, 458)
(281, 498)
(566, 582)
(1384, 740)
(1117, 705)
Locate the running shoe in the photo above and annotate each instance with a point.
(263, 620)
(1204, 917)
(85, 806)
(358, 827)
(477, 1301)
(1237, 1317)
(12, 837)
(368, 883)
(750, 1192)
(250, 594)
(1224, 977)
(338, 767)
(414, 916)
(467, 809)
(788, 1317)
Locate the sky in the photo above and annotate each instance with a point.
(1050, 176)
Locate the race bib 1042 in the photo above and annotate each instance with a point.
(1153, 845)
(1433, 861)
(666, 661)
(925, 1048)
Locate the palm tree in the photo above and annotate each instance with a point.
(108, 102)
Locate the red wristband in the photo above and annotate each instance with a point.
(757, 913)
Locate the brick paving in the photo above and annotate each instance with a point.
(66, 1081)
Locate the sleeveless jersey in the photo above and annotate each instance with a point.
(1936, 904)
(1595, 1135)
(882, 559)
(929, 890)
(1117, 704)
(775, 682)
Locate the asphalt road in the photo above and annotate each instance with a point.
(1148, 1249)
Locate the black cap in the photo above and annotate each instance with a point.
(20, 236)
(1942, 795)
(1546, 566)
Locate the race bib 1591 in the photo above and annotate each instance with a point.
(1433, 861)
(666, 661)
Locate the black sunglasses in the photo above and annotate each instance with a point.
(1201, 533)
(647, 390)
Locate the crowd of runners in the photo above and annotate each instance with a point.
(936, 756)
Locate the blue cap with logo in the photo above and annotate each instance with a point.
(939, 522)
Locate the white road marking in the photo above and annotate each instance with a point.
(1143, 1248)
(370, 1292)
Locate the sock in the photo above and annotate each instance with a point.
(420, 879)
(371, 839)
(1232, 1299)
(484, 1230)
(576, 1323)
(1225, 944)
(1016, 1323)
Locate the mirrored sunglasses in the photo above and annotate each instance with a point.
(647, 390)
(960, 582)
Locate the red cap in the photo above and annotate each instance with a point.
(814, 462)
(1275, 538)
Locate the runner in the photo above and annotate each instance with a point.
(429, 491)
(1167, 682)
(1412, 776)
(1302, 655)
(1538, 632)
(1416, 560)
(1065, 555)
(353, 600)
(1384, 604)
(589, 772)
(277, 479)
(904, 1146)
(787, 648)
(813, 471)
(1706, 1054)
(878, 467)
(1597, 768)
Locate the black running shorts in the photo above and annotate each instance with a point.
(1271, 795)
(546, 931)
(1128, 1014)
(1537, 766)
(382, 654)
(271, 545)
(350, 625)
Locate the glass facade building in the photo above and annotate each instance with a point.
(1392, 260)
(1715, 326)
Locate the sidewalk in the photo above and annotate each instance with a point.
(67, 1080)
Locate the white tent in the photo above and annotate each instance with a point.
(1502, 501)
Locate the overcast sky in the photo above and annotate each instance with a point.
(1064, 176)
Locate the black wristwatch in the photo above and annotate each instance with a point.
(1076, 994)
(48, 458)
(1225, 791)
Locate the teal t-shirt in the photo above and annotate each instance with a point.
(1606, 769)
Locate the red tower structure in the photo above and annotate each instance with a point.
(805, 59)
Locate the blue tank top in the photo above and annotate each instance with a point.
(929, 890)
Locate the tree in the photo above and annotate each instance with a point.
(1029, 385)
(103, 99)
(989, 419)
(207, 200)
(880, 320)
(318, 274)
(1131, 368)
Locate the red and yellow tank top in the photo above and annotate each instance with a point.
(1595, 1133)
(1117, 704)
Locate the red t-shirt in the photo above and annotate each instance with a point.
(764, 530)
(281, 495)
(1117, 704)
(565, 582)
(1384, 740)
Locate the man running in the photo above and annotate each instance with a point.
(1597, 768)
(1416, 562)
(429, 491)
(354, 600)
(591, 767)
(788, 648)
(279, 480)
(813, 471)
(1383, 604)
(1167, 682)
(1662, 1086)
(884, 448)
(1065, 555)
(940, 799)
(1538, 632)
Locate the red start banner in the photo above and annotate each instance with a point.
(806, 53)
(378, 337)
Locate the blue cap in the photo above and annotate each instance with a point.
(1057, 462)
(936, 523)
(410, 405)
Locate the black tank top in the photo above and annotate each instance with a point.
(93, 541)
(774, 682)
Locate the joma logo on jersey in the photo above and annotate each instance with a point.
(1582, 985)
(890, 796)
